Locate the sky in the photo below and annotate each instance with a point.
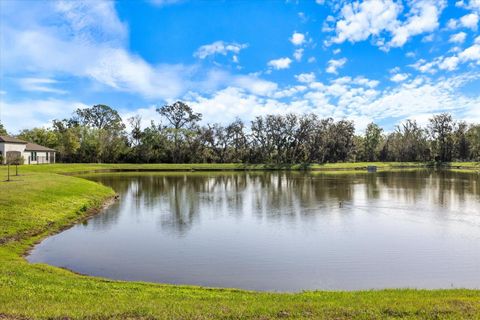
(382, 60)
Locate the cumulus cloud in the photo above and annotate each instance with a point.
(29, 113)
(377, 19)
(305, 77)
(297, 38)
(219, 47)
(399, 77)
(470, 21)
(458, 37)
(361, 20)
(298, 54)
(333, 65)
(344, 97)
(423, 17)
(469, 4)
(450, 63)
(281, 63)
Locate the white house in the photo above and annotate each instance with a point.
(32, 153)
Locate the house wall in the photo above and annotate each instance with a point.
(6, 147)
(41, 157)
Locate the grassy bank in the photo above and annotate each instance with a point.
(41, 202)
(75, 168)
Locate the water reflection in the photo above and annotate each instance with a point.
(283, 231)
(181, 197)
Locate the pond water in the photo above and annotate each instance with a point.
(281, 231)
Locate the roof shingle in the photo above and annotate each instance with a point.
(35, 147)
(11, 140)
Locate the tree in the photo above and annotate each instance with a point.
(3, 131)
(99, 116)
(407, 143)
(181, 119)
(102, 135)
(440, 128)
(13, 158)
(461, 144)
(41, 136)
(371, 143)
(68, 138)
(340, 144)
(473, 137)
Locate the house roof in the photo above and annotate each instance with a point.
(29, 146)
(35, 147)
(11, 140)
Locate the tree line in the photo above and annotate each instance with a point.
(99, 134)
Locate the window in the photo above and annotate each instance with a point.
(46, 156)
(33, 156)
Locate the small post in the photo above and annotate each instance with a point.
(8, 171)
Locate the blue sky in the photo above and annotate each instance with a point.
(381, 60)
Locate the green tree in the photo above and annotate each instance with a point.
(372, 141)
(3, 131)
(41, 136)
(441, 128)
(461, 144)
(182, 120)
(473, 137)
(101, 117)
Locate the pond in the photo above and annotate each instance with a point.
(281, 231)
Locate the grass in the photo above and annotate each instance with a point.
(41, 202)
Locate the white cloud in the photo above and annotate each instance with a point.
(359, 21)
(305, 77)
(362, 20)
(469, 55)
(29, 113)
(297, 38)
(399, 77)
(470, 21)
(219, 47)
(89, 41)
(458, 37)
(452, 24)
(281, 63)
(298, 54)
(469, 4)
(344, 97)
(40, 85)
(254, 85)
(333, 65)
(423, 17)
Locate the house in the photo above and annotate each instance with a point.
(32, 153)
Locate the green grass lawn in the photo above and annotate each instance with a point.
(40, 202)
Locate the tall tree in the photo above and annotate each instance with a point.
(181, 119)
(100, 116)
(41, 136)
(371, 143)
(441, 127)
(461, 144)
(3, 131)
(473, 136)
